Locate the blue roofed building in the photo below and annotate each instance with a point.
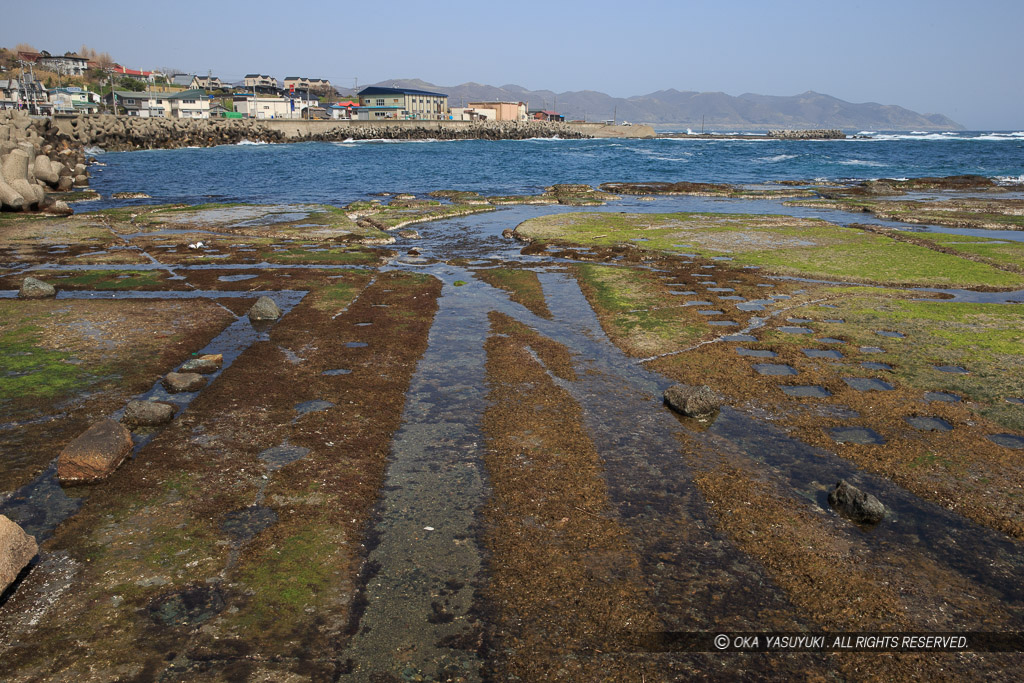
(377, 103)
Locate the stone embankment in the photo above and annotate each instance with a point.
(125, 133)
(332, 131)
(821, 134)
(35, 157)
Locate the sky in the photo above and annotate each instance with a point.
(961, 59)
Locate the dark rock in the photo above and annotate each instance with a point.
(692, 401)
(859, 506)
(16, 550)
(205, 364)
(264, 309)
(176, 382)
(34, 288)
(147, 413)
(96, 453)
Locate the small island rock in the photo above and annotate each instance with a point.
(34, 288)
(147, 413)
(264, 309)
(859, 506)
(692, 401)
(177, 382)
(96, 453)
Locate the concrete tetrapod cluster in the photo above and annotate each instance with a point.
(35, 157)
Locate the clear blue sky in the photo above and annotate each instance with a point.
(961, 59)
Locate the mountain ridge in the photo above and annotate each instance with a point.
(693, 109)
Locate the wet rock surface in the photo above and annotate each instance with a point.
(178, 382)
(204, 365)
(692, 401)
(147, 413)
(16, 550)
(859, 506)
(264, 309)
(34, 288)
(96, 453)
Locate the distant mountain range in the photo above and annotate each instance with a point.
(687, 109)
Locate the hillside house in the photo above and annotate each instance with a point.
(68, 64)
(74, 100)
(261, 84)
(402, 103)
(189, 104)
(24, 93)
(206, 83)
(142, 104)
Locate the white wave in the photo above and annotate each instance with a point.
(251, 142)
(777, 158)
(861, 162)
(94, 151)
(867, 132)
(919, 132)
(1010, 180)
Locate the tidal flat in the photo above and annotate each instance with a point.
(449, 458)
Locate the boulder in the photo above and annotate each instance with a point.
(147, 413)
(34, 288)
(96, 453)
(16, 550)
(204, 365)
(264, 309)
(855, 504)
(176, 382)
(692, 401)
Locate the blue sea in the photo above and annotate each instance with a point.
(341, 172)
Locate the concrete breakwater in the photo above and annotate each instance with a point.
(820, 134)
(36, 158)
(121, 133)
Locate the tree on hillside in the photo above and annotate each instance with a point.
(133, 84)
(24, 47)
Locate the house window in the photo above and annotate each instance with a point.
(129, 101)
(380, 103)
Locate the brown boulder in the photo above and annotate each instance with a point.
(96, 453)
(16, 550)
(176, 382)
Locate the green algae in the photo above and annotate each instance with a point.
(523, 287)
(637, 310)
(778, 244)
(28, 370)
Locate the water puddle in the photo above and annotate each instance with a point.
(867, 384)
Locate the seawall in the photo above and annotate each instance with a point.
(122, 133)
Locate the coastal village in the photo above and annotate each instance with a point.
(70, 84)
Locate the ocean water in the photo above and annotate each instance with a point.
(338, 173)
